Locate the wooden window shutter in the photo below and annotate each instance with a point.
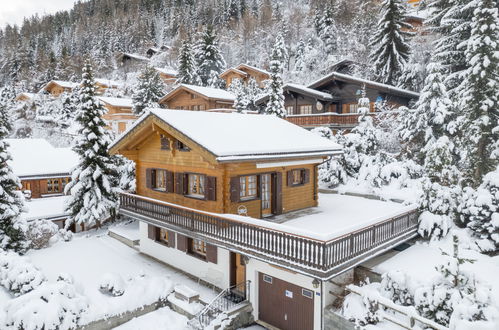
(171, 239)
(234, 189)
(278, 194)
(169, 182)
(179, 183)
(151, 232)
(211, 253)
(149, 178)
(182, 242)
(211, 188)
(306, 176)
(289, 178)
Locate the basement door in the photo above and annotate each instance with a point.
(284, 305)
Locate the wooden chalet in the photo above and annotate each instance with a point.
(215, 195)
(169, 76)
(245, 72)
(151, 51)
(197, 98)
(119, 115)
(102, 85)
(25, 97)
(130, 62)
(57, 87)
(332, 101)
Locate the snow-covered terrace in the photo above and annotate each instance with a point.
(46, 208)
(321, 241)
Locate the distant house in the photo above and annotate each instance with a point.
(130, 62)
(44, 172)
(332, 100)
(233, 199)
(191, 97)
(119, 114)
(245, 72)
(169, 76)
(102, 85)
(156, 50)
(57, 87)
(24, 96)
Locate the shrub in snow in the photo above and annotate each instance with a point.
(65, 234)
(65, 277)
(112, 284)
(18, 275)
(433, 226)
(479, 210)
(49, 307)
(394, 285)
(360, 310)
(323, 131)
(40, 232)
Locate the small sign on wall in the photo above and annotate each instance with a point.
(289, 294)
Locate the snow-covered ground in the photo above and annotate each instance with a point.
(90, 256)
(129, 230)
(48, 207)
(163, 318)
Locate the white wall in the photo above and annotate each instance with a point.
(255, 266)
(216, 274)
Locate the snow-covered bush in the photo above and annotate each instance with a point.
(323, 131)
(40, 232)
(394, 286)
(360, 310)
(49, 307)
(65, 277)
(434, 303)
(112, 284)
(18, 275)
(65, 234)
(433, 226)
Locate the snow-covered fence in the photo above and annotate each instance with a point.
(308, 255)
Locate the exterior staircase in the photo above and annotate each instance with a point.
(226, 301)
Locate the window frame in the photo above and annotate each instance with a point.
(161, 233)
(154, 179)
(200, 185)
(164, 142)
(288, 108)
(180, 146)
(197, 248)
(245, 187)
(301, 107)
(301, 174)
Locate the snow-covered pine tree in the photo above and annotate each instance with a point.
(69, 107)
(12, 227)
(237, 88)
(479, 99)
(275, 104)
(300, 54)
(210, 62)
(94, 185)
(148, 91)
(438, 10)
(390, 42)
(187, 67)
(365, 129)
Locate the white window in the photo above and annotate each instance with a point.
(353, 108)
(306, 109)
(196, 185)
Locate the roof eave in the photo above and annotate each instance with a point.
(265, 157)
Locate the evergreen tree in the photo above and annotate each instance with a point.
(438, 10)
(149, 90)
(187, 70)
(94, 186)
(210, 61)
(12, 227)
(275, 104)
(365, 129)
(479, 101)
(390, 48)
(300, 54)
(68, 108)
(237, 88)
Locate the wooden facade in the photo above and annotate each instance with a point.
(245, 72)
(45, 187)
(168, 76)
(186, 98)
(119, 115)
(56, 87)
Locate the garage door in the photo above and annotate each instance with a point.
(285, 305)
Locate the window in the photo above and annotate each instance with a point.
(158, 179)
(194, 96)
(267, 278)
(290, 110)
(198, 247)
(53, 185)
(64, 182)
(165, 143)
(297, 177)
(352, 108)
(181, 146)
(196, 185)
(307, 293)
(163, 236)
(305, 109)
(248, 187)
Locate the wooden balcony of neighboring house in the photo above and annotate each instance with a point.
(330, 119)
(274, 243)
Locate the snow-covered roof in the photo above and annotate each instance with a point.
(207, 92)
(252, 68)
(135, 56)
(349, 78)
(168, 71)
(37, 157)
(242, 73)
(306, 90)
(236, 137)
(62, 83)
(108, 82)
(29, 95)
(46, 208)
(117, 101)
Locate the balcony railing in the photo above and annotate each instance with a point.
(304, 254)
(326, 119)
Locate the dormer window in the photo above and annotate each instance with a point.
(181, 147)
(165, 143)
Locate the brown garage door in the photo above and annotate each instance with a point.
(285, 305)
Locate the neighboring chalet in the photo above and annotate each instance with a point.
(191, 97)
(57, 87)
(332, 101)
(25, 97)
(44, 171)
(169, 76)
(131, 62)
(233, 199)
(119, 114)
(150, 52)
(245, 72)
(101, 85)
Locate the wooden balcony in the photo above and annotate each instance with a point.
(306, 255)
(330, 119)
